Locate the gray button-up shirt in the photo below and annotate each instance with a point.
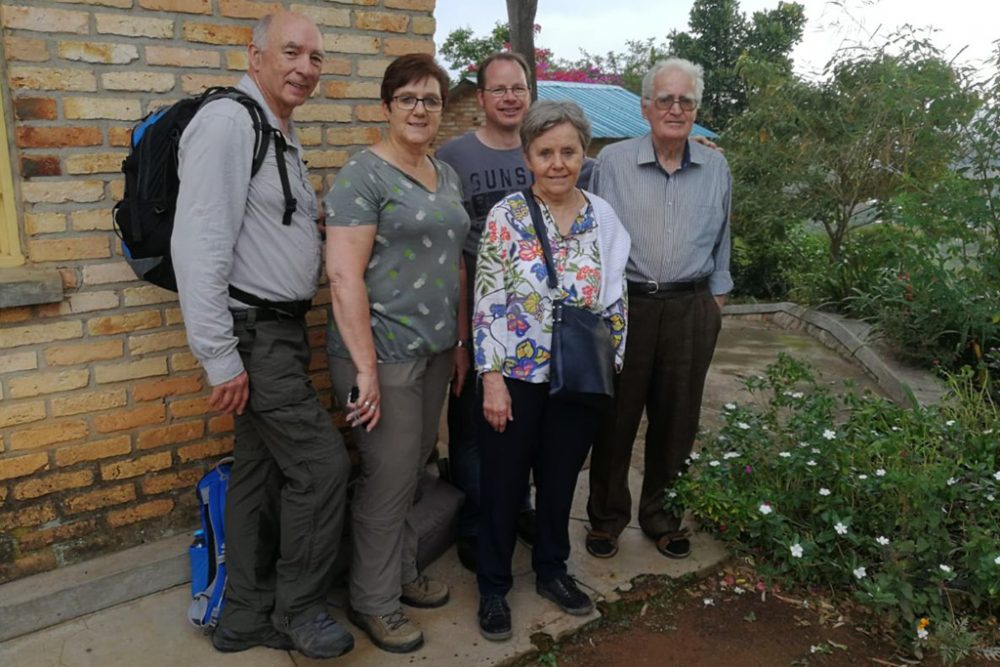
(228, 228)
(679, 224)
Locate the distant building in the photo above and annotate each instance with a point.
(614, 112)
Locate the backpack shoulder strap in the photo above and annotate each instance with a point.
(538, 221)
(263, 133)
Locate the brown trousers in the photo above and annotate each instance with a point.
(671, 339)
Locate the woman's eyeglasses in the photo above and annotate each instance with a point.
(409, 102)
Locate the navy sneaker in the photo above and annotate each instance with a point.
(564, 592)
(494, 618)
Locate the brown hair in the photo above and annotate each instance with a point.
(503, 55)
(409, 68)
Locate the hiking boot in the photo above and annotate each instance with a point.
(318, 636)
(494, 618)
(526, 527)
(393, 632)
(227, 640)
(468, 548)
(564, 592)
(424, 593)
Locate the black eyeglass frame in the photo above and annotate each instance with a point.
(436, 103)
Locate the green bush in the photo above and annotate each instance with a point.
(936, 295)
(897, 506)
(830, 283)
(768, 260)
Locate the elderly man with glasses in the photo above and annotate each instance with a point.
(673, 195)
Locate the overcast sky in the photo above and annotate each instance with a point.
(600, 26)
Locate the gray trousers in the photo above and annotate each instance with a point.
(286, 496)
(392, 458)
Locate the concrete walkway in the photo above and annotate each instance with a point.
(150, 630)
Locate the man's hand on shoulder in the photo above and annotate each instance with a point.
(232, 395)
(706, 142)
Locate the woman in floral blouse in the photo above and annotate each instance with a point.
(526, 429)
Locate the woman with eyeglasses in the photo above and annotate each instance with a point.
(395, 229)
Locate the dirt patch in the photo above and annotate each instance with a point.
(715, 622)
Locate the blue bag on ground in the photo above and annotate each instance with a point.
(208, 551)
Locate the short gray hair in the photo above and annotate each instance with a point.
(695, 72)
(260, 32)
(544, 115)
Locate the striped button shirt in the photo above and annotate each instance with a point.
(679, 223)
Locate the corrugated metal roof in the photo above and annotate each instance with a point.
(613, 112)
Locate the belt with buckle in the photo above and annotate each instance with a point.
(251, 315)
(654, 289)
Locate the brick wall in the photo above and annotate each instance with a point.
(104, 426)
(462, 114)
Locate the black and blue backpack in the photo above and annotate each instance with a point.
(144, 218)
(208, 551)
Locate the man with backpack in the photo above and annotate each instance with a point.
(246, 257)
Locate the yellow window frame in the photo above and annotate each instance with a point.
(10, 240)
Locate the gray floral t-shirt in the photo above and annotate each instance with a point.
(412, 276)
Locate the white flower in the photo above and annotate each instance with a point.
(945, 568)
(814, 450)
(952, 481)
(996, 475)
(950, 422)
(880, 472)
(883, 540)
(862, 476)
(797, 394)
(990, 498)
(860, 573)
(695, 456)
(739, 590)
(922, 634)
(896, 428)
(996, 561)
(730, 406)
(988, 431)
(714, 463)
(731, 455)
(743, 426)
(709, 602)
(829, 435)
(764, 509)
(824, 492)
(810, 462)
(803, 444)
(784, 455)
(840, 528)
(796, 550)
(672, 494)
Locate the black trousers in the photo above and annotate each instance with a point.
(549, 438)
(286, 496)
(671, 340)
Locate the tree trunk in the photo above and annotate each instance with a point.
(521, 17)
